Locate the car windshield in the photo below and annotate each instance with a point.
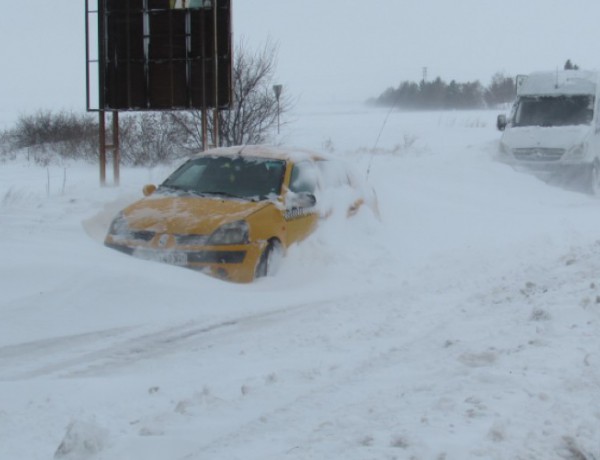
(249, 178)
(554, 110)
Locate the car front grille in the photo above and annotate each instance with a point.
(191, 240)
(217, 257)
(142, 235)
(538, 154)
(182, 258)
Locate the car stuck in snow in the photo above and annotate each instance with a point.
(232, 212)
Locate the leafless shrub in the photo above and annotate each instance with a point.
(570, 451)
(328, 145)
(8, 196)
(151, 138)
(155, 137)
(366, 441)
(145, 139)
(255, 112)
(409, 140)
(476, 123)
(399, 442)
(74, 135)
(539, 314)
(5, 145)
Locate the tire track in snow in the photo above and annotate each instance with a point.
(99, 352)
(368, 377)
(95, 353)
(38, 352)
(56, 355)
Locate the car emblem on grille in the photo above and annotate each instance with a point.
(162, 241)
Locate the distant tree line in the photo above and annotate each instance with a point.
(570, 66)
(439, 95)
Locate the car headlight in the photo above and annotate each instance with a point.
(119, 226)
(231, 233)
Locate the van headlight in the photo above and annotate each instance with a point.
(231, 233)
(577, 152)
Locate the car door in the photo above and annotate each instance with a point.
(300, 212)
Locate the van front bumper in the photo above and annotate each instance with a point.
(570, 175)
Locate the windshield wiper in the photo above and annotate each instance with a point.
(219, 193)
(174, 188)
(181, 190)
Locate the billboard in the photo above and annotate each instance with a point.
(164, 54)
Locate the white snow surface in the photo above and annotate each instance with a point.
(464, 324)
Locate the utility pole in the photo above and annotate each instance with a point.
(216, 70)
(277, 90)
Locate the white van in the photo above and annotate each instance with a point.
(553, 129)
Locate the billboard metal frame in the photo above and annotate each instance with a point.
(156, 55)
(151, 56)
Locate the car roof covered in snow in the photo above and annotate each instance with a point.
(265, 151)
(556, 83)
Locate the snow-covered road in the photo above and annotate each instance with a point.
(462, 324)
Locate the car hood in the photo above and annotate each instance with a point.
(561, 137)
(187, 215)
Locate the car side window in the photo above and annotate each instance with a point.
(333, 175)
(304, 178)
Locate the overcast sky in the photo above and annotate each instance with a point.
(329, 50)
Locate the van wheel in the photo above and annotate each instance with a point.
(593, 182)
(270, 259)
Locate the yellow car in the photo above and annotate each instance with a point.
(231, 212)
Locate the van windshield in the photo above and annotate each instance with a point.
(554, 110)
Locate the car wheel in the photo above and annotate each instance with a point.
(270, 259)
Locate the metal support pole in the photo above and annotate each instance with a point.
(216, 58)
(204, 130)
(116, 147)
(102, 146)
(87, 55)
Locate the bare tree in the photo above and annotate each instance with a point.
(74, 134)
(254, 113)
(151, 138)
(570, 66)
(502, 90)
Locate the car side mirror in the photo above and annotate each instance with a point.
(301, 200)
(149, 189)
(501, 122)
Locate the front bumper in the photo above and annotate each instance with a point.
(570, 175)
(234, 263)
